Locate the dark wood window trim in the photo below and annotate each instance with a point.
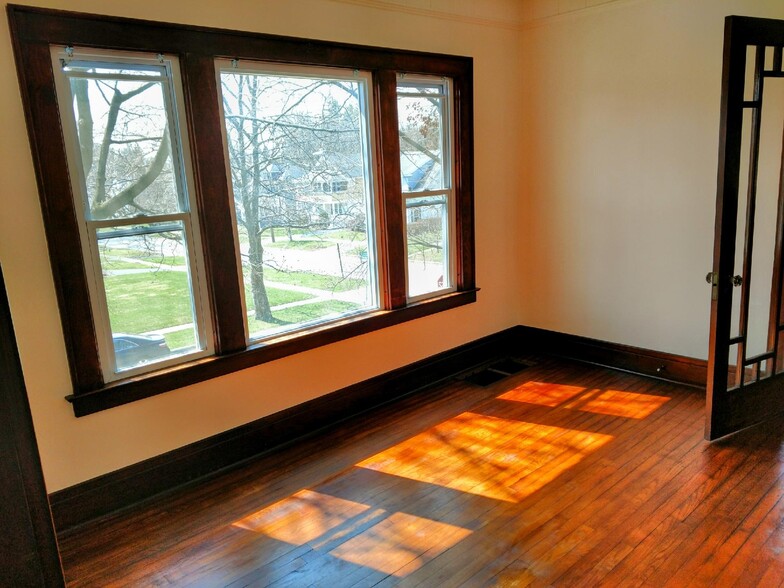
(34, 30)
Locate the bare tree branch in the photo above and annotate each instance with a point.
(110, 207)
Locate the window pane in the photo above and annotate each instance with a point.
(427, 245)
(421, 143)
(124, 143)
(303, 196)
(146, 278)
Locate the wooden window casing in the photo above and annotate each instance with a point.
(35, 30)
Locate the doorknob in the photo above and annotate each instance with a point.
(713, 279)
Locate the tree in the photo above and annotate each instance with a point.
(290, 139)
(287, 137)
(134, 148)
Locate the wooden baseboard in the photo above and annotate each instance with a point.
(657, 364)
(136, 483)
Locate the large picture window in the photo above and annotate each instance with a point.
(216, 199)
(306, 236)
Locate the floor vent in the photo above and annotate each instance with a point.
(498, 371)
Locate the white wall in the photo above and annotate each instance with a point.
(596, 137)
(74, 450)
(620, 110)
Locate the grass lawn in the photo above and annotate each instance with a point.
(346, 235)
(310, 280)
(423, 253)
(155, 300)
(147, 255)
(109, 262)
(302, 314)
(180, 339)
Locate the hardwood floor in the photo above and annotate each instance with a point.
(563, 474)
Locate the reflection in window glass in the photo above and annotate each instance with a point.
(299, 158)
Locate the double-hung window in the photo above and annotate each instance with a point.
(424, 119)
(288, 129)
(217, 199)
(129, 167)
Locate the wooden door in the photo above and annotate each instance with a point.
(746, 360)
(28, 548)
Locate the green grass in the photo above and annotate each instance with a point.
(311, 280)
(145, 302)
(150, 256)
(180, 339)
(302, 314)
(346, 235)
(139, 303)
(109, 262)
(360, 250)
(154, 300)
(276, 296)
(419, 253)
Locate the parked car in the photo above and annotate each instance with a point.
(133, 350)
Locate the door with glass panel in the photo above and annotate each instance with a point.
(746, 360)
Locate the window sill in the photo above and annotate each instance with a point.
(135, 388)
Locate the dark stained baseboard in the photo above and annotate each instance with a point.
(657, 364)
(136, 483)
(108, 493)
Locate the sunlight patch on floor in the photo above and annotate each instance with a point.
(492, 457)
(623, 404)
(400, 544)
(302, 517)
(542, 393)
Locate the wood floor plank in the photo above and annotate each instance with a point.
(563, 474)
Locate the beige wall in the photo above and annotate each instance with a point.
(621, 111)
(596, 139)
(73, 449)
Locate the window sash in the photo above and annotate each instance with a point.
(447, 128)
(88, 227)
(370, 184)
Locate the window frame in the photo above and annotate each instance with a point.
(89, 227)
(447, 171)
(259, 67)
(34, 30)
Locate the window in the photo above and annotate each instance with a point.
(424, 119)
(130, 180)
(306, 123)
(216, 199)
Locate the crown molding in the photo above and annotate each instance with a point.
(389, 6)
(564, 10)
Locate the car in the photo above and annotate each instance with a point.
(133, 350)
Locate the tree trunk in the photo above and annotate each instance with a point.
(257, 287)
